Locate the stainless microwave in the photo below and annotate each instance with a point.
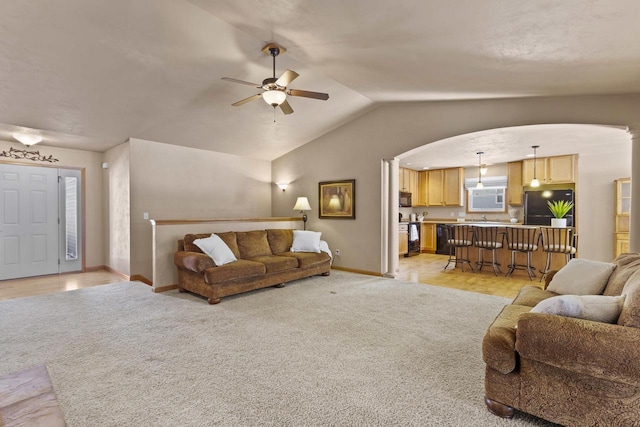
(405, 199)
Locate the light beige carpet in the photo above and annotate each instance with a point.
(340, 350)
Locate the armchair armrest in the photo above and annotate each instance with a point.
(600, 350)
(193, 261)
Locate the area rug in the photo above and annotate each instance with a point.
(341, 350)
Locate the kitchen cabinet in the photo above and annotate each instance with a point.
(435, 195)
(551, 170)
(445, 187)
(514, 183)
(423, 188)
(428, 238)
(409, 181)
(403, 239)
(622, 209)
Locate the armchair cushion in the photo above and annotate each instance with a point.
(581, 277)
(630, 315)
(598, 308)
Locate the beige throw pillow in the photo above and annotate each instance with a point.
(581, 277)
(597, 308)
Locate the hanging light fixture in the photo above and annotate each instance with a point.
(480, 184)
(534, 181)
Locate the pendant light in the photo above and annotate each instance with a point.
(480, 184)
(534, 181)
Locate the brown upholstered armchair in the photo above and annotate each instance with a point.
(567, 370)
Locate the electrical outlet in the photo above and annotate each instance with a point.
(453, 214)
(337, 252)
(145, 215)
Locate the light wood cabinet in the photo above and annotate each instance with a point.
(445, 187)
(409, 181)
(403, 239)
(453, 183)
(551, 170)
(428, 238)
(514, 183)
(423, 188)
(435, 195)
(621, 220)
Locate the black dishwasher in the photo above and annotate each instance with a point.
(442, 247)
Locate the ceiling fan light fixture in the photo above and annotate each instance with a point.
(27, 139)
(274, 97)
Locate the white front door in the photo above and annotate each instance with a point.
(28, 221)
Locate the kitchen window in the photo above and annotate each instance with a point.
(490, 199)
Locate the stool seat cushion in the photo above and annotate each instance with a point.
(455, 242)
(562, 249)
(523, 247)
(488, 245)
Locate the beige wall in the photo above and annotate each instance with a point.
(117, 190)
(355, 151)
(91, 163)
(172, 182)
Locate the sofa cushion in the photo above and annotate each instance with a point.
(236, 270)
(229, 237)
(188, 241)
(498, 345)
(597, 308)
(626, 265)
(276, 263)
(531, 295)
(630, 315)
(308, 259)
(581, 277)
(253, 244)
(216, 248)
(280, 240)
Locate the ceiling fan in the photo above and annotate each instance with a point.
(275, 89)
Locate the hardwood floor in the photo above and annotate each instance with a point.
(42, 285)
(429, 269)
(424, 268)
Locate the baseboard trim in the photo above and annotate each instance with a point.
(166, 288)
(116, 272)
(355, 270)
(139, 278)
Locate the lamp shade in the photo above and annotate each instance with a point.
(274, 97)
(302, 204)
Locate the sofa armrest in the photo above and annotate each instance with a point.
(600, 350)
(193, 261)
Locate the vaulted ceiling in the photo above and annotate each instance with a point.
(89, 74)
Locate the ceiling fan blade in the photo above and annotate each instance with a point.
(286, 108)
(308, 94)
(242, 82)
(287, 77)
(244, 101)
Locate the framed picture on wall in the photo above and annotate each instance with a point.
(337, 199)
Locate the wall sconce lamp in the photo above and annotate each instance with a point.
(302, 204)
(283, 185)
(27, 139)
(480, 184)
(534, 181)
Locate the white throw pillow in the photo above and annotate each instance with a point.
(581, 277)
(598, 308)
(216, 248)
(306, 241)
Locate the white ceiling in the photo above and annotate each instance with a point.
(90, 74)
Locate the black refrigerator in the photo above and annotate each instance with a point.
(536, 210)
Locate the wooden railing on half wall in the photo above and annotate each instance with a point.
(167, 232)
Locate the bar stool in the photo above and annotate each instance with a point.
(523, 240)
(558, 241)
(488, 238)
(459, 238)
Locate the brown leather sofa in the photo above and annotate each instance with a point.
(567, 370)
(263, 259)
